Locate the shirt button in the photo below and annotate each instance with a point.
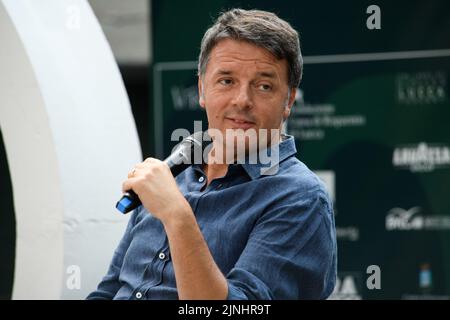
(162, 255)
(201, 179)
(138, 295)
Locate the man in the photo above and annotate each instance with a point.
(225, 230)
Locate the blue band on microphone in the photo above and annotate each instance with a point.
(123, 204)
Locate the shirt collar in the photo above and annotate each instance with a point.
(285, 149)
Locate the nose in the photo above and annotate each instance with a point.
(243, 98)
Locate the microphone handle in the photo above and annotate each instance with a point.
(128, 202)
(130, 199)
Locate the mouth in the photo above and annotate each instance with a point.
(240, 123)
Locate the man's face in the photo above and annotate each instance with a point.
(245, 87)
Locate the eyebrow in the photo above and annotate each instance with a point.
(222, 72)
(265, 74)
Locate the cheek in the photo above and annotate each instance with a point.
(273, 115)
(213, 113)
(215, 104)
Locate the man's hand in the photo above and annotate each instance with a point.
(196, 273)
(155, 185)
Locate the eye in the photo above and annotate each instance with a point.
(265, 87)
(226, 81)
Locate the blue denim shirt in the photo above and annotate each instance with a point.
(272, 236)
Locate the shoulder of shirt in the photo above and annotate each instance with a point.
(298, 179)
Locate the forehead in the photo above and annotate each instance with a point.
(240, 55)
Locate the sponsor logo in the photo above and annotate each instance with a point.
(312, 121)
(421, 88)
(184, 98)
(401, 219)
(349, 233)
(348, 287)
(422, 157)
(411, 219)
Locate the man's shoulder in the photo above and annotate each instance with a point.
(297, 178)
(296, 191)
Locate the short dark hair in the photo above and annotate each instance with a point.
(261, 28)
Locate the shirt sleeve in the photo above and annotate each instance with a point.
(290, 254)
(110, 284)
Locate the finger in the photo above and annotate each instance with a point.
(135, 172)
(128, 184)
(152, 160)
(140, 165)
(132, 173)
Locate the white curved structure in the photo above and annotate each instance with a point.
(70, 140)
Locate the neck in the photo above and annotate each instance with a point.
(217, 164)
(228, 149)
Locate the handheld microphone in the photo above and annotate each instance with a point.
(178, 161)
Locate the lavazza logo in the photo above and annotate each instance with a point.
(413, 219)
(422, 157)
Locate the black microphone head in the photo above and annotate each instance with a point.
(187, 152)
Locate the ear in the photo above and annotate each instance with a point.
(290, 103)
(201, 97)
